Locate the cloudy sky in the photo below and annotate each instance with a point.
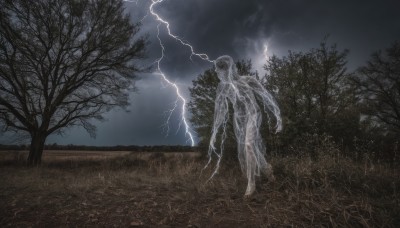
(240, 28)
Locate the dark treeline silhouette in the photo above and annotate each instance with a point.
(133, 148)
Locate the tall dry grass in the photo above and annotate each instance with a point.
(157, 189)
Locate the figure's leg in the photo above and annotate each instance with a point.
(250, 159)
(254, 157)
(240, 133)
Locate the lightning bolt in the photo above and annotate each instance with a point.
(180, 98)
(166, 23)
(178, 93)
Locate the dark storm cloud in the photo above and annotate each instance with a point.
(228, 27)
(238, 28)
(213, 28)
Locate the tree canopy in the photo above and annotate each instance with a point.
(378, 85)
(314, 93)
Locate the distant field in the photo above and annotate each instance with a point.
(152, 189)
(56, 155)
(81, 155)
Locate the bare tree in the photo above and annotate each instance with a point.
(378, 84)
(63, 63)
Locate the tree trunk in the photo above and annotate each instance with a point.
(36, 149)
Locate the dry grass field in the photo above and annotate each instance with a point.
(123, 189)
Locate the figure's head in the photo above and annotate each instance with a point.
(225, 68)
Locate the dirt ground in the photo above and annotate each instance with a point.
(124, 189)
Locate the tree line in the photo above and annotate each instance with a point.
(132, 148)
(320, 100)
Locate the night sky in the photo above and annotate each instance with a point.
(240, 28)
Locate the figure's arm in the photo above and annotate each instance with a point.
(268, 100)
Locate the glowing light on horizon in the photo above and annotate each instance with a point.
(265, 51)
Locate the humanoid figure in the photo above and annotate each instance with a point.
(241, 92)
